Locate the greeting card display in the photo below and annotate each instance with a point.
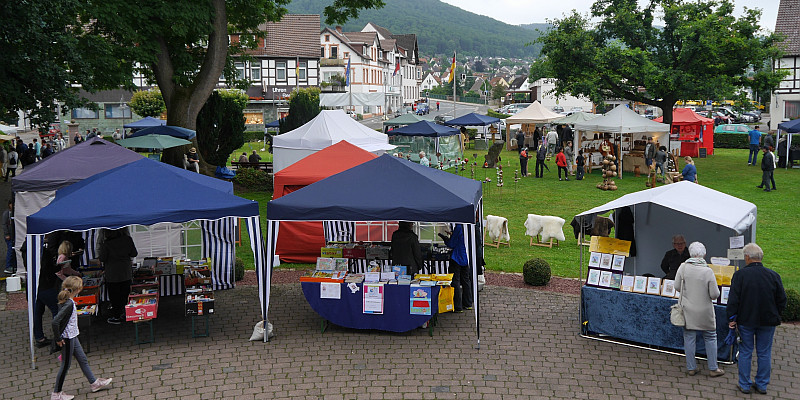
(627, 283)
(640, 284)
(593, 278)
(724, 293)
(653, 285)
(605, 279)
(616, 281)
(594, 260)
(668, 288)
(605, 261)
(618, 264)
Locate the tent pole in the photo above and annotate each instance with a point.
(580, 273)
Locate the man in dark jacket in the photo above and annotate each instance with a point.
(22, 149)
(405, 248)
(541, 154)
(520, 140)
(116, 252)
(649, 153)
(755, 304)
(767, 167)
(675, 257)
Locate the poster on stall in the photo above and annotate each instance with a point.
(373, 298)
(329, 290)
(421, 300)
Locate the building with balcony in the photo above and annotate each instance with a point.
(785, 101)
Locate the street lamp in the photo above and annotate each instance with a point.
(122, 107)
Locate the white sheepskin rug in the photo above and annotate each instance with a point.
(497, 227)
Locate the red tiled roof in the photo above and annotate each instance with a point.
(788, 25)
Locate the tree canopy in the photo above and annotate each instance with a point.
(148, 103)
(702, 52)
(303, 107)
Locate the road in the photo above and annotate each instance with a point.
(445, 109)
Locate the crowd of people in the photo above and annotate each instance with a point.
(15, 153)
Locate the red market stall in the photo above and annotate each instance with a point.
(692, 130)
(300, 241)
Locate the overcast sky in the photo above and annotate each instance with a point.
(517, 12)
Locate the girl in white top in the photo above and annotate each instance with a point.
(65, 334)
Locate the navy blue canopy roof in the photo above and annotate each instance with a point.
(274, 124)
(169, 130)
(384, 189)
(143, 192)
(145, 122)
(790, 126)
(424, 128)
(473, 119)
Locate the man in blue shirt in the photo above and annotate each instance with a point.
(755, 139)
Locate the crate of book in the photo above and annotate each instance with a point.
(441, 252)
(144, 285)
(181, 265)
(324, 276)
(88, 296)
(196, 276)
(354, 250)
(163, 265)
(199, 300)
(377, 251)
(141, 307)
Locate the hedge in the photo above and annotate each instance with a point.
(739, 140)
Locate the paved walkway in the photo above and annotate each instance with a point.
(530, 349)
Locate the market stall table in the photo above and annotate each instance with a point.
(348, 311)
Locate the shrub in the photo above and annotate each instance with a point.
(495, 114)
(731, 141)
(792, 311)
(253, 179)
(238, 269)
(536, 272)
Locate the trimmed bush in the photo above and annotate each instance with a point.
(731, 141)
(253, 179)
(238, 269)
(792, 311)
(253, 136)
(536, 272)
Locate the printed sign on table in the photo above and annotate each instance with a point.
(373, 298)
(421, 300)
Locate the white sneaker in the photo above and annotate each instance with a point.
(100, 384)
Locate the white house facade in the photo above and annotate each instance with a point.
(785, 101)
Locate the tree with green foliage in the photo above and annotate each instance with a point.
(701, 52)
(220, 125)
(498, 91)
(45, 52)
(303, 107)
(479, 67)
(148, 103)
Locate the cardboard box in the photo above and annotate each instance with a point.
(331, 252)
(378, 252)
(165, 267)
(354, 252)
(201, 305)
(88, 296)
(148, 309)
(197, 277)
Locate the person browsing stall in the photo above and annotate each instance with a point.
(459, 267)
(674, 258)
(405, 248)
(689, 172)
(116, 250)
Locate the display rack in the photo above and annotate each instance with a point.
(200, 300)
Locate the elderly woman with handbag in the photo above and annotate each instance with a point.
(698, 287)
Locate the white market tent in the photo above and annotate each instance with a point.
(621, 120)
(575, 118)
(535, 113)
(326, 129)
(683, 208)
(8, 130)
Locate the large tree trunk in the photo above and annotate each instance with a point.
(184, 103)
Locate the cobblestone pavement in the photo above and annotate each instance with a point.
(530, 349)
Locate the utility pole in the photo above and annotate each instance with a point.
(453, 72)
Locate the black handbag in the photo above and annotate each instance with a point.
(54, 348)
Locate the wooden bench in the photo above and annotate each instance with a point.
(264, 166)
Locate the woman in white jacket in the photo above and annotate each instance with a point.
(698, 287)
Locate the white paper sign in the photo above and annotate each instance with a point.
(329, 290)
(372, 277)
(736, 254)
(353, 287)
(720, 261)
(373, 299)
(737, 242)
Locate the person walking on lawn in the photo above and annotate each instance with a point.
(755, 140)
(755, 304)
(570, 158)
(541, 154)
(581, 165)
(767, 169)
(561, 162)
(552, 143)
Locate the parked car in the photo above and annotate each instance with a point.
(755, 114)
(422, 109)
(576, 109)
(732, 128)
(352, 114)
(558, 109)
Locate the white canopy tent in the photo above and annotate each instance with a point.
(326, 129)
(621, 120)
(535, 113)
(8, 130)
(352, 99)
(683, 208)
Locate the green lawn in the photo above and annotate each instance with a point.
(726, 171)
(248, 148)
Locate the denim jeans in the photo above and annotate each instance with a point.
(11, 256)
(689, 346)
(761, 337)
(659, 166)
(45, 298)
(579, 173)
(551, 149)
(72, 347)
(753, 154)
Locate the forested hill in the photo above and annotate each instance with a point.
(440, 27)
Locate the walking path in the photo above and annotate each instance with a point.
(530, 349)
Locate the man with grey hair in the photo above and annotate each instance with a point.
(675, 257)
(755, 304)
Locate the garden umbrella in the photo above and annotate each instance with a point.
(167, 130)
(152, 141)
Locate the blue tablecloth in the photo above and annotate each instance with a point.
(643, 318)
(349, 310)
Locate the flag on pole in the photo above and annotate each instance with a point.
(452, 69)
(347, 74)
(396, 67)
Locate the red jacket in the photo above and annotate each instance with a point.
(561, 160)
